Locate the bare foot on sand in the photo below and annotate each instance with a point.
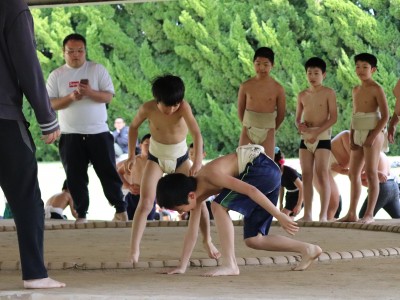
(304, 219)
(312, 252)
(366, 220)
(43, 283)
(223, 271)
(348, 218)
(211, 250)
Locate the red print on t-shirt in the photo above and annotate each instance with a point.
(73, 84)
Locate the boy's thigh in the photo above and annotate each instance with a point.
(151, 174)
(371, 154)
(184, 167)
(306, 160)
(321, 160)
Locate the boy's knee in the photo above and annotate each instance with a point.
(251, 242)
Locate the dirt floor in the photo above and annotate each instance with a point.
(357, 264)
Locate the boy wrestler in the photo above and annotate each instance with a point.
(170, 118)
(261, 104)
(240, 180)
(370, 115)
(315, 115)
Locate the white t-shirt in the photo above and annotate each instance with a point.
(84, 116)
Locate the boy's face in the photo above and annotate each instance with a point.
(168, 110)
(315, 76)
(364, 70)
(262, 66)
(187, 207)
(144, 147)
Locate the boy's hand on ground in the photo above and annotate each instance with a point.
(288, 224)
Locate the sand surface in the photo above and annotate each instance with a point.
(357, 264)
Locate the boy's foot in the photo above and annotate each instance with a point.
(307, 258)
(81, 221)
(121, 217)
(223, 271)
(304, 219)
(366, 220)
(43, 283)
(348, 218)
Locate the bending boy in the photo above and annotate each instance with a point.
(315, 114)
(261, 104)
(370, 115)
(170, 118)
(239, 179)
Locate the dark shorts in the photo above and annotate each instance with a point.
(132, 202)
(57, 216)
(291, 199)
(179, 161)
(265, 175)
(322, 144)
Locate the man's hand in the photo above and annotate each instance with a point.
(51, 138)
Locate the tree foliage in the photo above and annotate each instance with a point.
(210, 44)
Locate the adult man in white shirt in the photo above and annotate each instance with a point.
(80, 90)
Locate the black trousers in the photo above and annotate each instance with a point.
(76, 151)
(18, 179)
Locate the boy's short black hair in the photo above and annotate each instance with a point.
(266, 53)
(173, 190)
(367, 57)
(65, 185)
(315, 62)
(74, 37)
(168, 89)
(145, 137)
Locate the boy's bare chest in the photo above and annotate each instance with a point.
(315, 102)
(364, 100)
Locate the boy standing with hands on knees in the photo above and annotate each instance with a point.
(315, 115)
(261, 104)
(170, 118)
(370, 115)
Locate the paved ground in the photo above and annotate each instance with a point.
(358, 263)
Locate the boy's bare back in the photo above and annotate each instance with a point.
(316, 105)
(261, 95)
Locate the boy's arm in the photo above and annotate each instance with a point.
(281, 193)
(384, 110)
(299, 184)
(254, 194)
(241, 103)
(189, 241)
(194, 130)
(133, 135)
(72, 208)
(280, 107)
(395, 119)
(299, 111)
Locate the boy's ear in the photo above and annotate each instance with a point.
(373, 69)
